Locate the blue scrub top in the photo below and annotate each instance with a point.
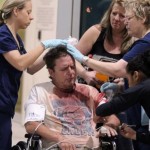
(9, 76)
(141, 45)
(138, 47)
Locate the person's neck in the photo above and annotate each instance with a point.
(62, 91)
(12, 28)
(117, 37)
(148, 31)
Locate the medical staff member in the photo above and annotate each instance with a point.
(15, 15)
(137, 20)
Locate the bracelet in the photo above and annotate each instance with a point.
(85, 59)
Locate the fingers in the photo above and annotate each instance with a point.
(90, 78)
(106, 130)
(117, 80)
(111, 132)
(127, 131)
(122, 127)
(67, 146)
(120, 83)
(92, 82)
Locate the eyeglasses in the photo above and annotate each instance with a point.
(128, 18)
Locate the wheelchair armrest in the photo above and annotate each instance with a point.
(109, 139)
(34, 137)
(33, 140)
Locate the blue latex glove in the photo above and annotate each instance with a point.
(75, 53)
(109, 86)
(54, 43)
(110, 89)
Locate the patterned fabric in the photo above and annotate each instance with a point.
(69, 114)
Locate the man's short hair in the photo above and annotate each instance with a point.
(55, 53)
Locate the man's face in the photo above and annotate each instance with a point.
(64, 73)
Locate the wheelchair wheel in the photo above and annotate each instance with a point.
(34, 141)
(108, 143)
(20, 146)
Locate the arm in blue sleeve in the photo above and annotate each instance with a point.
(136, 49)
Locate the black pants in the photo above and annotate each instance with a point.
(138, 145)
(5, 131)
(123, 143)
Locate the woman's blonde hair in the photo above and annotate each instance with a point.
(141, 9)
(8, 6)
(105, 23)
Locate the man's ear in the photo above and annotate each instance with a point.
(51, 72)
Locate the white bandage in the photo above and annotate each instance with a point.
(103, 101)
(72, 41)
(34, 112)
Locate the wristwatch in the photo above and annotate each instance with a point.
(85, 59)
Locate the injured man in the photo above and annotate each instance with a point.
(62, 111)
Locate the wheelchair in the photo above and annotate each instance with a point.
(34, 143)
(108, 143)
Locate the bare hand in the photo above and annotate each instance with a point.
(127, 132)
(90, 79)
(107, 131)
(120, 82)
(65, 144)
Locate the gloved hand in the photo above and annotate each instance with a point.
(110, 89)
(53, 43)
(109, 86)
(75, 53)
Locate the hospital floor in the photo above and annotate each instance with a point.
(17, 129)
